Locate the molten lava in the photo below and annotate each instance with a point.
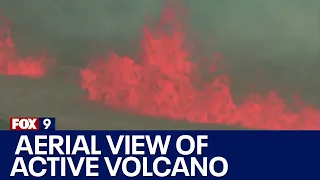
(11, 65)
(165, 84)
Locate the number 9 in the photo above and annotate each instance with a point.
(46, 123)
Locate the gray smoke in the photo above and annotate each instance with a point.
(273, 26)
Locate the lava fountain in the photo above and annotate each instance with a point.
(12, 65)
(165, 83)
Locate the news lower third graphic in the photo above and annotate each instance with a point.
(33, 151)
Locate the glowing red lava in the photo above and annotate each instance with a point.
(162, 84)
(11, 65)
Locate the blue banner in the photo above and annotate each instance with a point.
(234, 155)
